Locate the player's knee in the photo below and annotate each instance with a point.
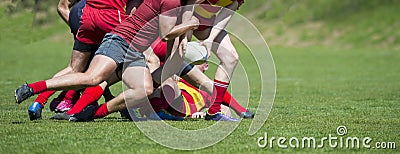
(232, 59)
(235, 59)
(148, 89)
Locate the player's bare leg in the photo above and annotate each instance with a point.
(226, 53)
(99, 70)
(139, 86)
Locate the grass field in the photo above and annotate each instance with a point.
(318, 89)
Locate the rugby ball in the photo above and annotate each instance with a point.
(196, 54)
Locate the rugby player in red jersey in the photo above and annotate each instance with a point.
(98, 17)
(214, 15)
(123, 47)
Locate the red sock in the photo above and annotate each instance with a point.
(44, 96)
(70, 95)
(90, 95)
(102, 111)
(220, 87)
(38, 87)
(232, 103)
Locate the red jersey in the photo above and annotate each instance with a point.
(108, 4)
(145, 20)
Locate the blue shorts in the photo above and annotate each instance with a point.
(74, 20)
(120, 51)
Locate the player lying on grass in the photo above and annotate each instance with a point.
(190, 104)
(123, 47)
(96, 19)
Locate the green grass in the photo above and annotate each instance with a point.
(318, 89)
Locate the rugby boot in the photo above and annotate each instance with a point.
(22, 93)
(247, 115)
(220, 117)
(61, 116)
(85, 115)
(35, 111)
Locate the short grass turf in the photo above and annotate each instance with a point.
(318, 89)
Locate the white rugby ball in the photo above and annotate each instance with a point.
(196, 54)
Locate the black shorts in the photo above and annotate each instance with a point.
(83, 47)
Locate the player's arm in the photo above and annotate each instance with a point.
(167, 23)
(222, 20)
(63, 8)
(180, 29)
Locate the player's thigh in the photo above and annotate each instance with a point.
(224, 48)
(138, 78)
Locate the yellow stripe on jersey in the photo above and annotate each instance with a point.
(187, 107)
(203, 12)
(197, 98)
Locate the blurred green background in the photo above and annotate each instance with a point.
(338, 24)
